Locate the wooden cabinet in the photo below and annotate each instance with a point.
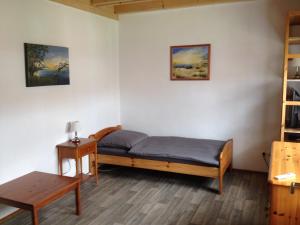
(284, 194)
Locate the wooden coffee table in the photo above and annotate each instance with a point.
(35, 190)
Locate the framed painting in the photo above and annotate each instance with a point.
(46, 65)
(190, 62)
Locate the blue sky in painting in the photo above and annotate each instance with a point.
(190, 54)
(203, 50)
(55, 52)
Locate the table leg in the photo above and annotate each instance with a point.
(81, 170)
(60, 164)
(96, 167)
(90, 164)
(35, 216)
(77, 193)
(77, 167)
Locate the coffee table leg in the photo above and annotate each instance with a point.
(35, 216)
(77, 193)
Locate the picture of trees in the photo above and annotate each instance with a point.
(46, 65)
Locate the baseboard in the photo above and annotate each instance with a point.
(249, 171)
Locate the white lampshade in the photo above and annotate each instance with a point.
(295, 62)
(74, 126)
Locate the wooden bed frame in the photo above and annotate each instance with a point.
(205, 171)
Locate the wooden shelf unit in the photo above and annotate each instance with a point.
(293, 19)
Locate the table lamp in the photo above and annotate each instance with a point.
(296, 63)
(74, 127)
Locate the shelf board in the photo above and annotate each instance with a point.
(293, 56)
(292, 102)
(293, 80)
(294, 40)
(292, 130)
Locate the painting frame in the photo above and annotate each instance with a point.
(46, 65)
(206, 70)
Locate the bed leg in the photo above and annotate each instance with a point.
(92, 164)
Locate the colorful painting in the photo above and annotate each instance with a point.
(46, 65)
(190, 62)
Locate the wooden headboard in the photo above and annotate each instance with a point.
(102, 133)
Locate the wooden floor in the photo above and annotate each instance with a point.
(128, 196)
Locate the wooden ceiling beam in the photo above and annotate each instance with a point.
(138, 7)
(166, 4)
(111, 8)
(100, 3)
(187, 3)
(85, 5)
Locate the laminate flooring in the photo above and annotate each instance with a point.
(127, 196)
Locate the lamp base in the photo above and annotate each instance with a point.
(76, 140)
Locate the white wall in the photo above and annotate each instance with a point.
(33, 120)
(243, 98)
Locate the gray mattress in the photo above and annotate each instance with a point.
(173, 149)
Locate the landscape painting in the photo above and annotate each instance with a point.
(46, 65)
(190, 62)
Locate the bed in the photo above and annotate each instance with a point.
(199, 157)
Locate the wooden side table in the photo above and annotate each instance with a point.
(86, 146)
(36, 190)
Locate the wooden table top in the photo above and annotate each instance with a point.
(35, 187)
(285, 158)
(70, 144)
